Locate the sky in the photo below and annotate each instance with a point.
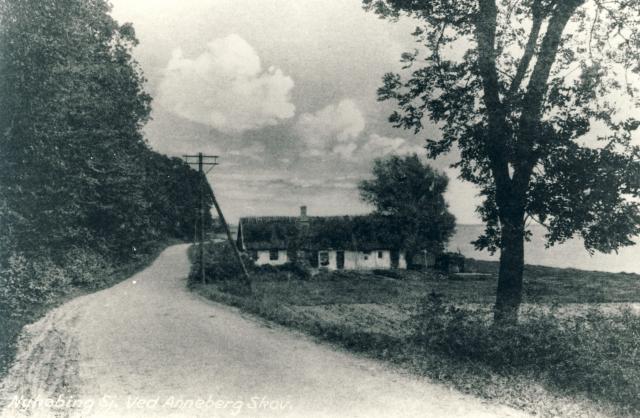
(284, 91)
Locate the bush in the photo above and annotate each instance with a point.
(86, 268)
(295, 269)
(220, 263)
(285, 271)
(26, 283)
(594, 354)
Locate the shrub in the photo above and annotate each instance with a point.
(286, 271)
(594, 354)
(266, 269)
(86, 268)
(220, 263)
(25, 283)
(296, 269)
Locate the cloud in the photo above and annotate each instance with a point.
(331, 128)
(226, 88)
(345, 150)
(337, 130)
(254, 152)
(376, 146)
(283, 182)
(379, 146)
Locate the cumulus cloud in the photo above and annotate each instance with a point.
(331, 128)
(254, 151)
(337, 130)
(376, 146)
(379, 146)
(226, 87)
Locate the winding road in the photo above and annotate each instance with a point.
(149, 347)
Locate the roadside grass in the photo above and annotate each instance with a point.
(551, 364)
(567, 285)
(11, 326)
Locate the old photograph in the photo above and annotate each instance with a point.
(320, 208)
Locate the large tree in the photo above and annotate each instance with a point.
(523, 88)
(411, 194)
(75, 169)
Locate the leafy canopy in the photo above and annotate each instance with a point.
(536, 97)
(411, 193)
(75, 169)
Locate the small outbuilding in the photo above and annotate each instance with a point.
(333, 242)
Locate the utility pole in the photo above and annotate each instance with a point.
(212, 161)
(202, 160)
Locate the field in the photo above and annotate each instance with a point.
(568, 315)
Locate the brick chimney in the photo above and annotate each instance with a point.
(303, 214)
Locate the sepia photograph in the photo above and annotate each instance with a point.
(320, 208)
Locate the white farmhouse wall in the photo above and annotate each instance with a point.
(350, 260)
(363, 260)
(369, 260)
(264, 258)
(353, 260)
(402, 262)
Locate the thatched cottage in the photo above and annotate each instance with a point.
(331, 242)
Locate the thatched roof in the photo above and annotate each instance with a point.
(358, 233)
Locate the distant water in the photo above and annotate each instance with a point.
(569, 254)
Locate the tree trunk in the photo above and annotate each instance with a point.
(509, 294)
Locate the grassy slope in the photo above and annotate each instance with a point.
(542, 285)
(10, 328)
(567, 285)
(370, 313)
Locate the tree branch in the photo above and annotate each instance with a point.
(486, 23)
(537, 86)
(538, 18)
(537, 89)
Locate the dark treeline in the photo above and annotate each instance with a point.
(80, 188)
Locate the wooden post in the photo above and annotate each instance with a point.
(202, 179)
(195, 229)
(230, 239)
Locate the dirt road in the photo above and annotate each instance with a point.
(149, 347)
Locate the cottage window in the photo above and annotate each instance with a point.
(273, 255)
(324, 258)
(379, 254)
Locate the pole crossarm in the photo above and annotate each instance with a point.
(204, 161)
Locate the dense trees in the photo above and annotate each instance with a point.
(75, 170)
(412, 194)
(520, 87)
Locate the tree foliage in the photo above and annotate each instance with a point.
(530, 92)
(75, 168)
(411, 193)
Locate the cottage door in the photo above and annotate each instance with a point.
(340, 259)
(395, 259)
